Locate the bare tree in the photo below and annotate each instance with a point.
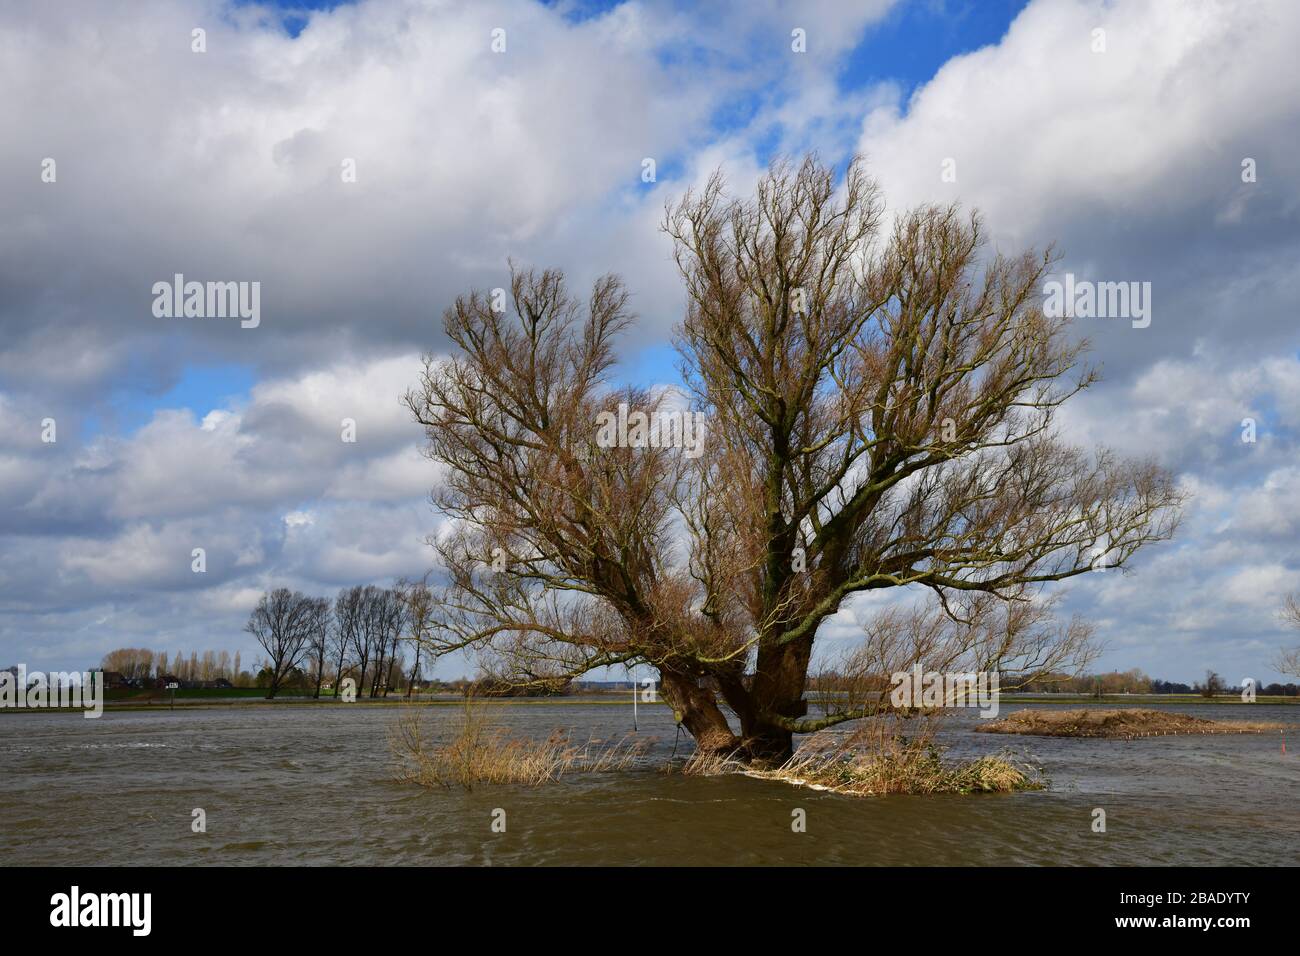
(396, 666)
(131, 662)
(1019, 640)
(387, 615)
(420, 607)
(282, 624)
(1288, 659)
(880, 408)
(319, 627)
(368, 629)
(395, 631)
(347, 622)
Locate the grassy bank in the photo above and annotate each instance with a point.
(1119, 724)
(164, 696)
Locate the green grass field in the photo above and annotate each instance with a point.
(124, 694)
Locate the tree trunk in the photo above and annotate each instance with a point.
(379, 669)
(410, 684)
(775, 694)
(698, 711)
(338, 673)
(361, 677)
(768, 743)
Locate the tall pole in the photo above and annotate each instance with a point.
(632, 673)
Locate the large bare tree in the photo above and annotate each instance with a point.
(879, 404)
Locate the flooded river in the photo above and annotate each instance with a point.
(295, 784)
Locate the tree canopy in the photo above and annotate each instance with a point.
(880, 398)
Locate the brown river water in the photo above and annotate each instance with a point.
(294, 784)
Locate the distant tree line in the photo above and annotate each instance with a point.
(1136, 682)
(142, 667)
(837, 681)
(361, 634)
(309, 644)
(490, 685)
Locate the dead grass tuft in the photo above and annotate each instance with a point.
(479, 751)
(880, 758)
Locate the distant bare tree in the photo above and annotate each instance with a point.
(1020, 641)
(319, 625)
(130, 662)
(282, 625)
(390, 613)
(420, 608)
(880, 407)
(368, 631)
(348, 608)
(396, 670)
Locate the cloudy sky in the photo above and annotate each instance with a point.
(177, 433)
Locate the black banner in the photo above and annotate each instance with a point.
(153, 905)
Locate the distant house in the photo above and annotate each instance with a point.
(163, 680)
(219, 684)
(115, 680)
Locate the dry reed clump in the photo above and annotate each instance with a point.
(879, 759)
(1123, 724)
(479, 751)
